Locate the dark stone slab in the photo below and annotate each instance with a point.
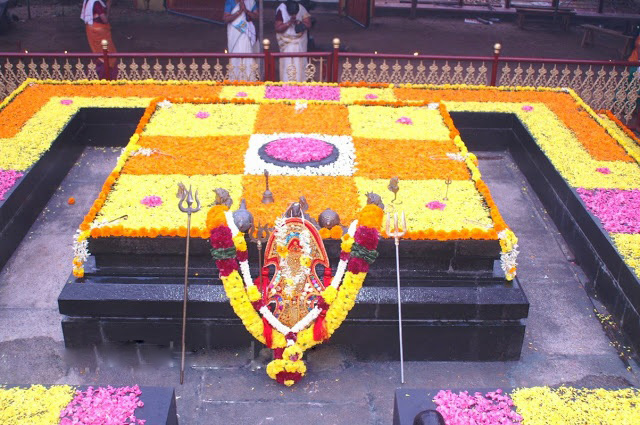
(611, 279)
(25, 201)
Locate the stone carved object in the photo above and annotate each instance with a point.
(328, 219)
(375, 199)
(242, 218)
(393, 187)
(299, 209)
(223, 197)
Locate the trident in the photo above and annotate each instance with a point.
(396, 234)
(186, 200)
(262, 236)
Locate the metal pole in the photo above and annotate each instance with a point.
(494, 67)
(184, 301)
(187, 198)
(399, 311)
(335, 60)
(105, 58)
(396, 234)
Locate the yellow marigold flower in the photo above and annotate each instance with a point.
(347, 242)
(329, 294)
(240, 242)
(253, 293)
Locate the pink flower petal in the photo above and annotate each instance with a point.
(371, 96)
(404, 120)
(603, 170)
(527, 108)
(298, 149)
(151, 201)
(241, 94)
(103, 406)
(436, 205)
(202, 115)
(618, 210)
(66, 101)
(303, 92)
(8, 178)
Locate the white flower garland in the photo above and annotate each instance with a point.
(80, 247)
(508, 259)
(245, 270)
(342, 265)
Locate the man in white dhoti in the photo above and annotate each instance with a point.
(239, 15)
(292, 23)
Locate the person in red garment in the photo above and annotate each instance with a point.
(95, 14)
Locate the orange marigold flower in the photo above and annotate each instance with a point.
(371, 216)
(215, 217)
(336, 232)
(71, 200)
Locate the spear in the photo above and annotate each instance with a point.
(396, 234)
(186, 200)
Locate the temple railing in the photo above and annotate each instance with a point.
(602, 84)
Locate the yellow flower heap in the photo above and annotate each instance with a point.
(358, 251)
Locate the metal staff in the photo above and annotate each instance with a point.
(186, 200)
(396, 234)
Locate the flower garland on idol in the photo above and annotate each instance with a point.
(229, 251)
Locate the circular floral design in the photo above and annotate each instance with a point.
(298, 149)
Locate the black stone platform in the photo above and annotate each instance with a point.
(159, 404)
(610, 278)
(24, 202)
(446, 319)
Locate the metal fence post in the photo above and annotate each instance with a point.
(268, 61)
(105, 58)
(335, 61)
(496, 60)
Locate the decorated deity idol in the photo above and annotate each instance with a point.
(296, 309)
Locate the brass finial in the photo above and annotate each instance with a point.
(105, 44)
(266, 44)
(336, 43)
(267, 196)
(496, 48)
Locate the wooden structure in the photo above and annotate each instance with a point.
(591, 30)
(557, 14)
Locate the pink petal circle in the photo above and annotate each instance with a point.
(298, 149)
(66, 101)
